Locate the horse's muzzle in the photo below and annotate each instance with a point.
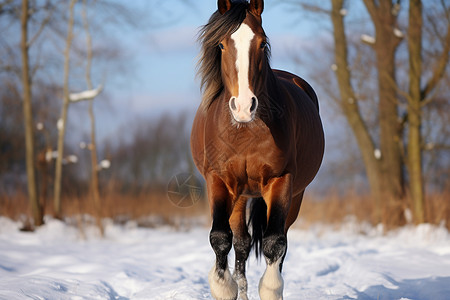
(243, 111)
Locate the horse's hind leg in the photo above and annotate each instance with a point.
(222, 284)
(241, 243)
(277, 195)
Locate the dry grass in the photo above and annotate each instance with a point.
(14, 207)
(148, 209)
(139, 207)
(334, 209)
(437, 209)
(155, 209)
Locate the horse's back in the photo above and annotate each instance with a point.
(300, 82)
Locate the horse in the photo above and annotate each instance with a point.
(257, 139)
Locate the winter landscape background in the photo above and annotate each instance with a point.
(129, 262)
(117, 232)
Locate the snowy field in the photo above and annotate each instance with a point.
(354, 262)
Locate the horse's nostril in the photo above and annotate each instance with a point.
(232, 103)
(254, 103)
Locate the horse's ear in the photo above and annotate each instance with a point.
(256, 7)
(224, 6)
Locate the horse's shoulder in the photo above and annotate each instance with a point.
(298, 81)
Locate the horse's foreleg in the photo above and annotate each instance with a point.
(277, 195)
(222, 284)
(271, 283)
(242, 244)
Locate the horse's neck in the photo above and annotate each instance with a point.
(272, 85)
(272, 82)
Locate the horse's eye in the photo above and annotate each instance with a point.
(221, 46)
(263, 45)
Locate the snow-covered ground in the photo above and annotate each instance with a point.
(354, 262)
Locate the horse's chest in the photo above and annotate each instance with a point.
(246, 164)
(244, 157)
(247, 174)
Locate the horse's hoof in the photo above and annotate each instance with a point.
(271, 283)
(242, 286)
(222, 288)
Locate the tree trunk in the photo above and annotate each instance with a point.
(385, 172)
(63, 121)
(94, 161)
(349, 106)
(386, 44)
(414, 110)
(28, 121)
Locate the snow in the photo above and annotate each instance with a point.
(368, 39)
(377, 153)
(61, 261)
(104, 164)
(398, 33)
(60, 124)
(72, 159)
(86, 95)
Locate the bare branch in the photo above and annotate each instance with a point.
(315, 8)
(371, 8)
(41, 28)
(440, 68)
(446, 10)
(431, 96)
(3, 4)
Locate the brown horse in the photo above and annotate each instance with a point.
(257, 135)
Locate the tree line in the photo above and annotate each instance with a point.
(389, 77)
(56, 53)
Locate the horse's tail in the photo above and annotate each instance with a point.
(258, 222)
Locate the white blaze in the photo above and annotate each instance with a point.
(242, 39)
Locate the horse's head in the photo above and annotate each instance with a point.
(243, 55)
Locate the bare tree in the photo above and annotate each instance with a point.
(418, 97)
(106, 11)
(387, 40)
(398, 110)
(28, 120)
(414, 109)
(94, 161)
(90, 95)
(63, 121)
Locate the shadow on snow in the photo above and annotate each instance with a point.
(437, 288)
